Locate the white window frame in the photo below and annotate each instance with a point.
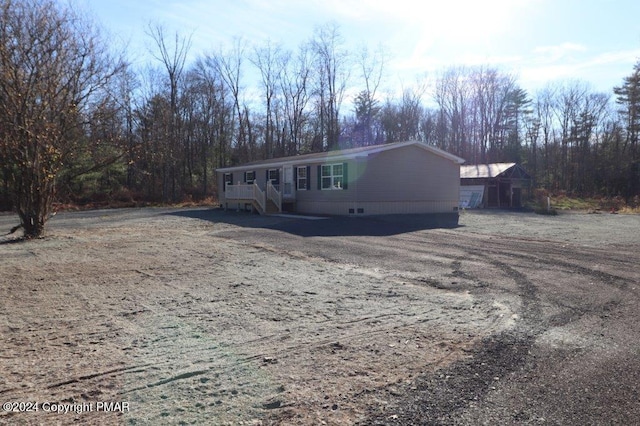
(333, 177)
(304, 179)
(276, 173)
(250, 181)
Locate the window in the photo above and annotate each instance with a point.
(332, 176)
(274, 176)
(302, 178)
(249, 177)
(227, 180)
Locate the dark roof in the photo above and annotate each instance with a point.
(340, 155)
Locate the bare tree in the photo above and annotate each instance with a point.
(401, 121)
(228, 65)
(490, 95)
(588, 125)
(52, 66)
(173, 58)
(544, 112)
(295, 89)
(332, 76)
(268, 60)
(452, 94)
(366, 105)
(152, 117)
(480, 112)
(568, 105)
(216, 108)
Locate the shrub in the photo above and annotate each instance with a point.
(542, 196)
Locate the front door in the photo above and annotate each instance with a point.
(287, 187)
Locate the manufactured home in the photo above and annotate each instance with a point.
(494, 185)
(396, 178)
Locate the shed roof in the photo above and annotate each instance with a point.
(492, 170)
(341, 155)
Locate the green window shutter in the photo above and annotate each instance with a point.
(309, 178)
(295, 177)
(319, 177)
(267, 177)
(345, 176)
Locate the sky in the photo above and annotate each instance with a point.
(539, 41)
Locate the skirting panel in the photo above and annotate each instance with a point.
(376, 208)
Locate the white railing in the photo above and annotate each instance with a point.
(260, 197)
(274, 195)
(247, 192)
(239, 192)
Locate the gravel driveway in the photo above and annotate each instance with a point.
(199, 316)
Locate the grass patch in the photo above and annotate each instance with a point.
(629, 210)
(563, 202)
(550, 203)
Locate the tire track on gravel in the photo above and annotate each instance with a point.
(440, 398)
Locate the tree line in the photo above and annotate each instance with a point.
(78, 123)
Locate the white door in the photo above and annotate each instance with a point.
(287, 181)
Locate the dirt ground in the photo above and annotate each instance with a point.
(199, 316)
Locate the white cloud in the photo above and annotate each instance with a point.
(616, 57)
(420, 36)
(599, 69)
(558, 52)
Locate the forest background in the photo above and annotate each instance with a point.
(128, 135)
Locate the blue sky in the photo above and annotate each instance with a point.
(597, 41)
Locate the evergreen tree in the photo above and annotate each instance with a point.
(628, 96)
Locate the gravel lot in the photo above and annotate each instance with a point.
(199, 316)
